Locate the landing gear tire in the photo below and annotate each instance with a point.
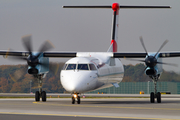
(152, 97)
(78, 100)
(73, 100)
(43, 96)
(159, 97)
(37, 96)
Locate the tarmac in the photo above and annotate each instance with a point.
(91, 108)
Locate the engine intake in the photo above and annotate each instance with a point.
(33, 71)
(151, 72)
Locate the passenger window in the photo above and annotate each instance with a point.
(64, 67)
(92, 67)
(83, 67)
(71, 67)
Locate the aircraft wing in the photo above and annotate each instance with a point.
(13, 53)
(45, 54)
(114, 55)
(60, 54)
(74, 54)
(143, 55)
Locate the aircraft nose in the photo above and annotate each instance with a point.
(73, 87)
(72, 83)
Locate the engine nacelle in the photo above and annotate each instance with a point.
(41, 68)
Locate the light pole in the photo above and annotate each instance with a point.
(148, 87)
(30, 86)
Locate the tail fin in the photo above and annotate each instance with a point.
(115, 7)
(115, 23)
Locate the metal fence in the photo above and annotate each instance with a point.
(146, 87)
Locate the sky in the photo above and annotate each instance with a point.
(89, 30)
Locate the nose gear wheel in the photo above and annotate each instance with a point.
(76, 98)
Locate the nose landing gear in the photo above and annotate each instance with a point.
(75, 97)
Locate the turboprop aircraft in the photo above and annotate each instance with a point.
(88, 71)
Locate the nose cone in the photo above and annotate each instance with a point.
(73, 81)
(71, 84)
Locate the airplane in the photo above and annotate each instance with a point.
(88, 71)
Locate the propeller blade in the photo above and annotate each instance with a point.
(27, 43)
(141, 39)
(54, 67)
(172, 64)
(17, 58)
(45, 47)
(136, 60)
(161, 47)
(18, 74)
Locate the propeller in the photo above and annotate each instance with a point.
(151, 60)
(32, 60)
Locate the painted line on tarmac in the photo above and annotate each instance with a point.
(64, 105)
(91, 116)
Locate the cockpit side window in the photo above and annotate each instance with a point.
(71, 67)
(83, 67)
(64, 67)
(92, 67)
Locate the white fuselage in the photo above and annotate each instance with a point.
(101, 71)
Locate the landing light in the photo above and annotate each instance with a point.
(75, 96)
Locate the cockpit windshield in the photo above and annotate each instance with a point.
(79, 67)
(83, 67)
(71, 67)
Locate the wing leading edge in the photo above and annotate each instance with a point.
(143, 55)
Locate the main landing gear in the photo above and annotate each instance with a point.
(40, 94)
(155, 94)
(75, 97)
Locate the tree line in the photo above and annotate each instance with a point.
(15, 79)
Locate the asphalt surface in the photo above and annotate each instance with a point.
(39, 117)
(95, 108)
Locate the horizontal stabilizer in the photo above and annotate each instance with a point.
(87, 6)
(125, 6)
(121, 6)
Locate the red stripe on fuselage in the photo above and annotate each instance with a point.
(114, 45)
